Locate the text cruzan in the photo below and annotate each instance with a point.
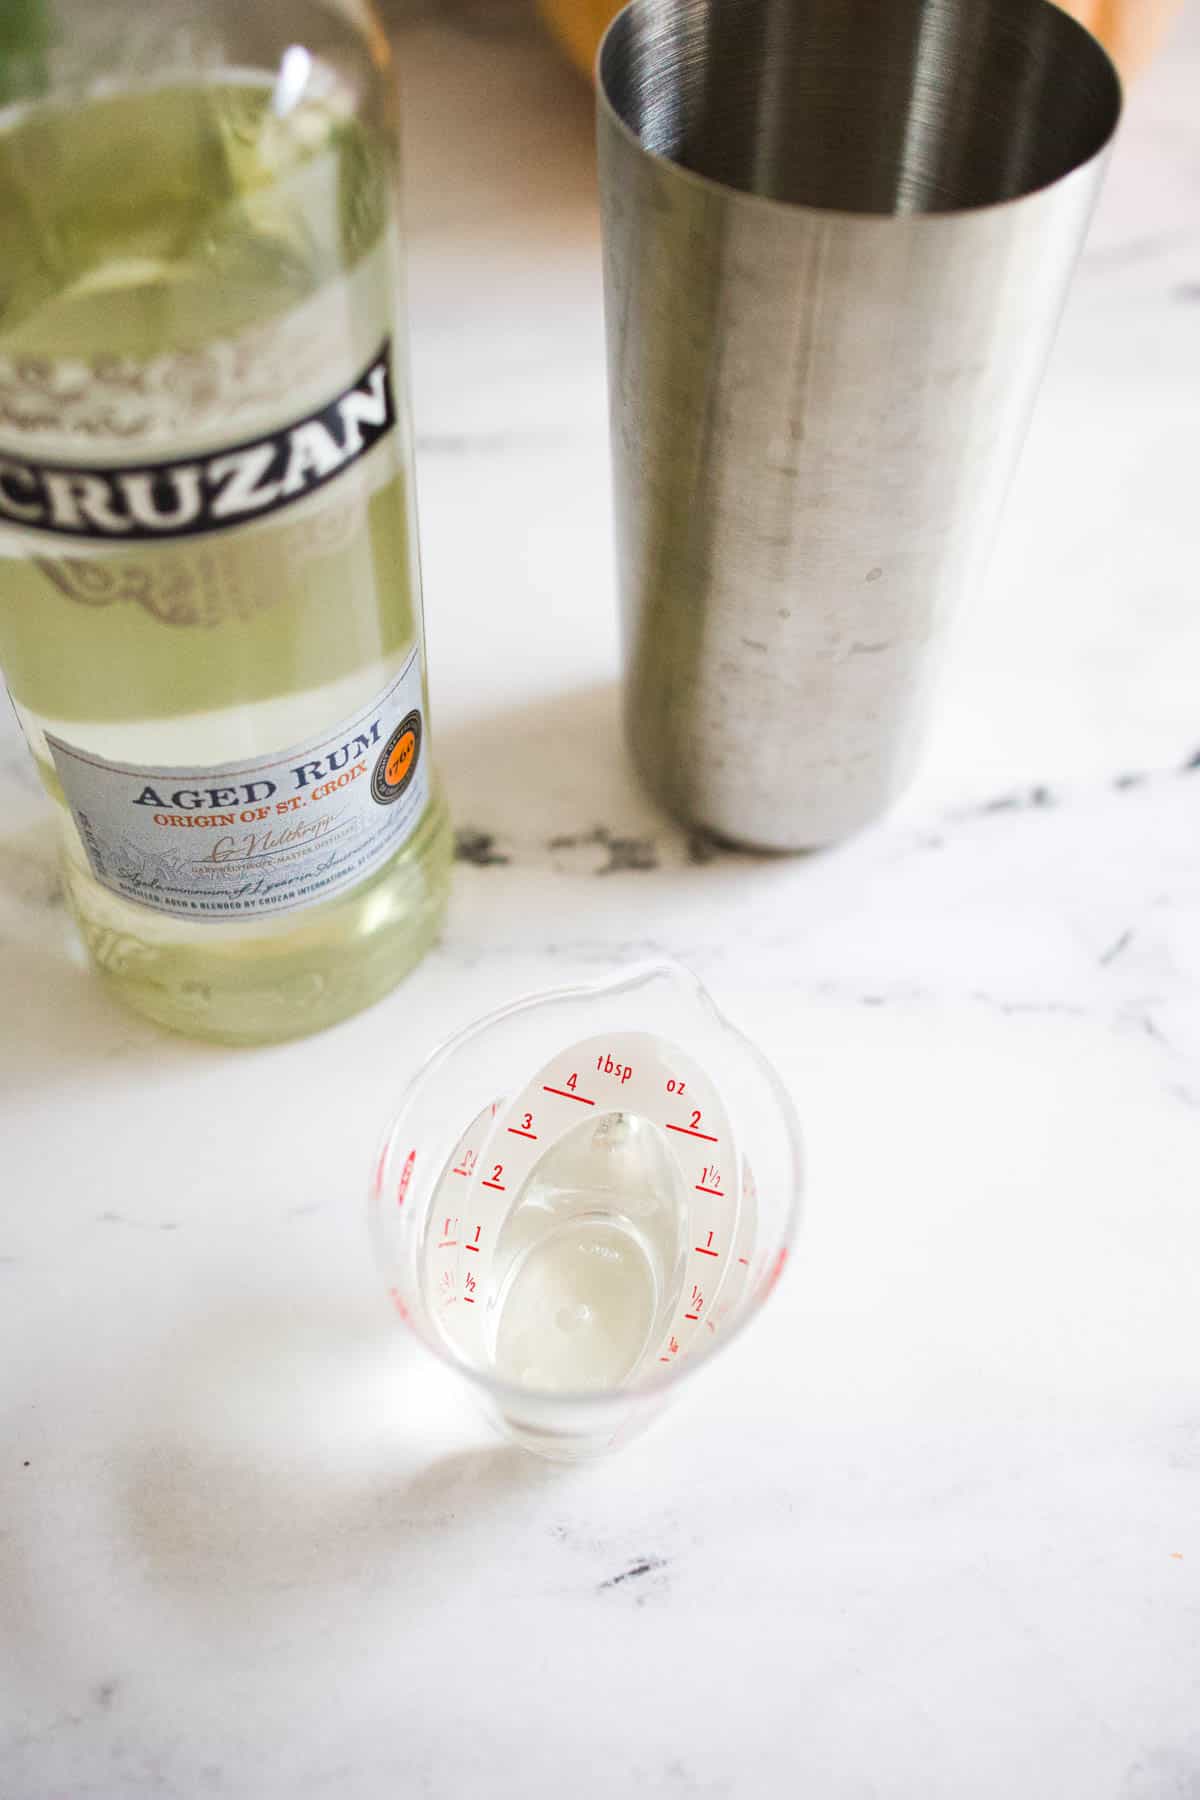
(182, 498)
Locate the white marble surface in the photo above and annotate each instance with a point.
(929, 1530)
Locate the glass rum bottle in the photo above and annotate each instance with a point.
(210, 604)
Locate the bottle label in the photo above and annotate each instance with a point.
(248, 839)
(192, 495)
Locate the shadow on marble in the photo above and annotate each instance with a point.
(485, 1481)
(281, 1449)
(61, 1025)
(59, 1022)
(547, 788)
(551, 767)
(550, 782)
(30, 879)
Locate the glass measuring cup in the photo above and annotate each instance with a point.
(582, 1197)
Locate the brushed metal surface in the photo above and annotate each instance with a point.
(837, 238)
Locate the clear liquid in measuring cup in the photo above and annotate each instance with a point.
(570, 1253)
(568, 1203)
(589, 1261)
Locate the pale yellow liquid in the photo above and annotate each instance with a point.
(156, 224)
(589, 1259)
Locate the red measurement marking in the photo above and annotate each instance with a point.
(474, 1247)
(691, 1315)
(688, 1132)
(462, 1171)
(563, 1094)
(776, 1272)
(449, 1243)
(469, 1299)
(715, 1192)
(704, 1252)
(498, 1185)
(518, 1133)
(405, 1178)
(664, 1359)
(745, 1261)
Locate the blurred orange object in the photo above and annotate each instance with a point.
(1129, 29)
(579, 25)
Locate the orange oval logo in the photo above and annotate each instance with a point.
(400, 758)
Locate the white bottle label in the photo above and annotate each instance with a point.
(244, 840)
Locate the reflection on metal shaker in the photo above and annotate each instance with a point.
(837, 241)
